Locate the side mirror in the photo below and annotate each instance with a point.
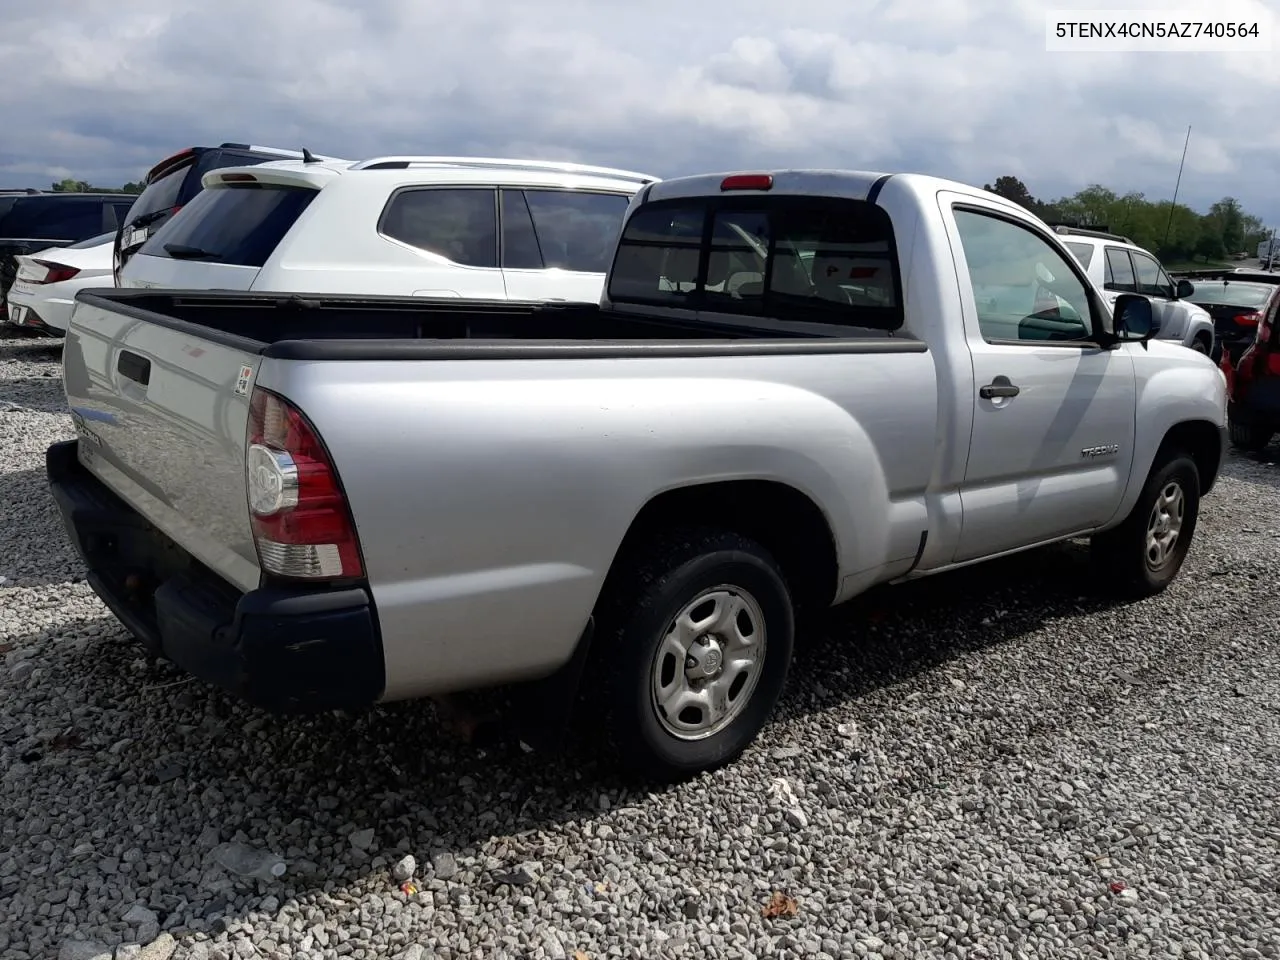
(1184, 289)
(1132, 317)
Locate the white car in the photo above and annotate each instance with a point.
(471, 227)
(1117, 265)
(44, 290)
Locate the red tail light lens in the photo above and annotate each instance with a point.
(55, 272)
(302, 526)
(747, 181)
(1248, 319)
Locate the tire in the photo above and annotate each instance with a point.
(701, 575)
(1249, 436)
(1199, 346)
(1127, 555)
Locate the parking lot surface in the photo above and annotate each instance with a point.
(993, 763)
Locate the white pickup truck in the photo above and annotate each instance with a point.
(797, 385)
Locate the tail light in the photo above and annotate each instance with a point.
(54, 272)
(302, 525)
(747, 181)
(1247, 319)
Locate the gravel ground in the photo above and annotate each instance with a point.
(998, 765)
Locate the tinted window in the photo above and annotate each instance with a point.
(793, 258)
(54, 218)
(576, 231)
(458, 224)
(1232, 294)
(1023, 288)
(519, 242)
(1152, 280)
(1082, 251)
(240, 225)
(1120, 271)
(159, 195)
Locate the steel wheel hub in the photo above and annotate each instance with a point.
(708, 663)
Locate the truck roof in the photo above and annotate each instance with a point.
(850, 184)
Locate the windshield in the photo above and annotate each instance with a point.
(93, 241)
(1233, 294)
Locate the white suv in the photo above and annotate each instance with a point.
(479, 228)
(1116, 265)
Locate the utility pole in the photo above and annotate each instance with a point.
(1173, 206)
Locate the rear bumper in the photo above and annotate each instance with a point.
(287, 649)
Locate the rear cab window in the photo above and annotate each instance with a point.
(823, 260)
(240, 224)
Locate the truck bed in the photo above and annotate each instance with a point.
(334, 327)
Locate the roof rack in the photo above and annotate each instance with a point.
(24, 191)
(1063, 229)
(480, 163)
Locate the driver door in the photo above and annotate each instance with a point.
(1052, 440)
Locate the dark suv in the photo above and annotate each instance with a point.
(34, 221)
(172, 183)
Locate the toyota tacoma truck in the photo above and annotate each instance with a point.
(796, 385)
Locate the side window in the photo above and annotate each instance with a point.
(576, 230)
(1082, 252)
(1152, 280)
(1023, 288)
(519, 242)
(1120, 271)
(460, 224)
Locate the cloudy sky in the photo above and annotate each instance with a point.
(959, 88)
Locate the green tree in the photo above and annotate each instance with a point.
(1210, 245)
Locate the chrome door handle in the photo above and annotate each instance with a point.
(999, 387)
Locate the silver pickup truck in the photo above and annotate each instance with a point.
(798, 385)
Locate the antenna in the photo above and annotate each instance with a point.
(309, 157)
(1174, 205)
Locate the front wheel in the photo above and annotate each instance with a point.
(1143, 555)
(695, 643)
(1200, 345)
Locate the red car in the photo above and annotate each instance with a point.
(1253, 380)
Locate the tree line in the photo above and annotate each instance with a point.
(1173, 232)
(71, 185)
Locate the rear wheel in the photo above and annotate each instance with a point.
(1249, 437)
(695, 642)
(1143, 555)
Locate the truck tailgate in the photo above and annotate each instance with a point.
(161, 413)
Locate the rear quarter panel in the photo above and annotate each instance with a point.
(491, 496)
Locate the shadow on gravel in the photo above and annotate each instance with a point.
(1267, 458)
(35, 550)
(302, 786)
(19, 345)
(38, 394)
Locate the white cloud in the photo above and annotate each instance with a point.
(962, 89)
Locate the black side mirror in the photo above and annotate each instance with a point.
(1184, 289)
(1133, 318)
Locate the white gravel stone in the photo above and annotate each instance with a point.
(904, 813)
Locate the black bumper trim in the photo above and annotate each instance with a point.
(285, 648)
